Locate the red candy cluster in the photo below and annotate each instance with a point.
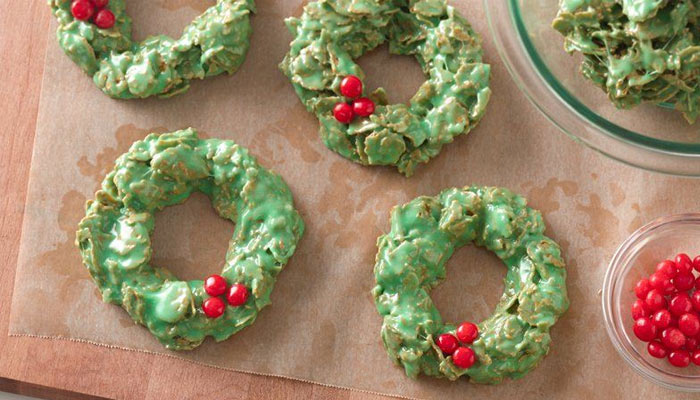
(667, 311)
(215, 286)
(95, 9)
(351, 87)
(462, 356)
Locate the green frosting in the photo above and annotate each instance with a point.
(215, 42)
(161, 171)
(637, 50)
(411, 261)
(330, 34)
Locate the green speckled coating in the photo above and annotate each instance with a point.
(411, 261)
(637, 50)
(161, 171)
(330, 34)
(215, 42)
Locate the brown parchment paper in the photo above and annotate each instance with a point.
(323, 325)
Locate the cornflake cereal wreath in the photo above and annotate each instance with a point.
(411, 261)
(96, 35)
(161, 171)
(637, 51)
(330, 34)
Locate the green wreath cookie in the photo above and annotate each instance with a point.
(637, 51)
(161, 171)
(411, 261)
(96, 35)
(332, 33)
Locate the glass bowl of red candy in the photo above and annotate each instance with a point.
(651, 301)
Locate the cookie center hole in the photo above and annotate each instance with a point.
(191, 239)
(400, 76)
(163, 17)
(473, 286)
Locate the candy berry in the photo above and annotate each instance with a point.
(642, 288)
(363, 107)
(467, 332)
(695, 300)
(213, 307)
(680, 304)
(683, 263)
(104, 19)
(684, 281)
(447, 343)
(100, 3)
(667, 267)
(645, 330)
(691, 343)
(237, 294)
(655, 300)
(215, 285)
(661, 319)
(656, 349)
(696, 263)
(343, 113)
(679, 358)
(672, 338)
(638, 310)
(82, 9)
(463, 357)
(661, 282)
(351, 86)
(689, 324)
(696, 357)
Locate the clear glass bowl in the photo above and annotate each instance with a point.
(635, 259)
(651, 137)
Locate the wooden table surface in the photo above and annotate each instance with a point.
(59, 369)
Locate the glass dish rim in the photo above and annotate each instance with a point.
(612, 275)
